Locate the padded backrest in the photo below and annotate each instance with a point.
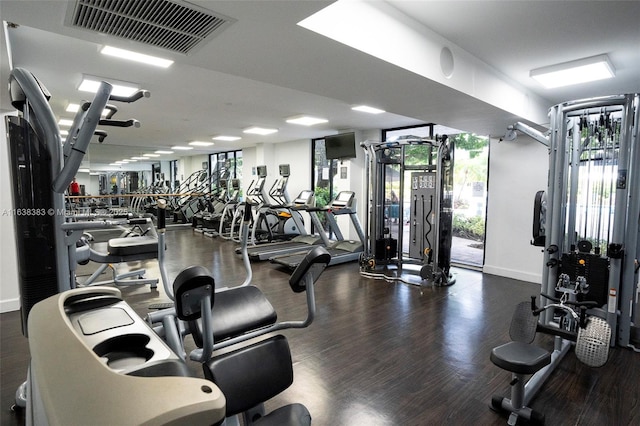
(253, 374)
(190, 286)
(523, 324)
(314, 262)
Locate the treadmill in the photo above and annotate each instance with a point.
(341, 251)
(304, 202)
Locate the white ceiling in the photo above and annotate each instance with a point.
(265, 68)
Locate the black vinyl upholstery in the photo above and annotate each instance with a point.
(132, 246)
(235, 312)
(317, 255)
(253, 374)
(289, 415)
(520, 358)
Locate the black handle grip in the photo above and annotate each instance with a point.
(137, 95)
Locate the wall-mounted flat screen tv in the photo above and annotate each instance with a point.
(340, 147)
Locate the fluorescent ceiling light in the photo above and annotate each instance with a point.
(151, 155)
(259, 130)
(125, 161)
(131, 161)
(139, 158)
(226, 138)
(83, 170)
(91, 84)
(114, 164)
(163, 152)
(182, 148)
(65, 122)
(64, 132)
(306, 120)
(574, 72)
(119, 162)
(94, 173)
(200, 143)
(137, 57)
(368, 109)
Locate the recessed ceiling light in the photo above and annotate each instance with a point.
(91, 84)
(131, 161)
(182, 148)
(139, 158)
(160, 151)
(126, 161)
(64, 132)
(72, 108)
(201, 143)
(368, 109)
(226, 138)
(259, 130)
(65, 122)
(83, 170)
(137, 57)
(151, 155)
(574, 72)
(119, 162)
(305, 120)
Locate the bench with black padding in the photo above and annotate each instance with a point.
(255, 373)
(243, 309)
(132, 245)
(237, 310)
(251, 375)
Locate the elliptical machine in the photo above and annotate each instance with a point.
(42, 167)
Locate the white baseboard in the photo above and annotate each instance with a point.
(512, 273)
(9, 305)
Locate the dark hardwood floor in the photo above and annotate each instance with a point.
(386, 354)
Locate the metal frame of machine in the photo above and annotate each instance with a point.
(430, 215)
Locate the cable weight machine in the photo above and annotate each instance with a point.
(410, 210)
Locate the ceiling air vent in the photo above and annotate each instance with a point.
(173, 25)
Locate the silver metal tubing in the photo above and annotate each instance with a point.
(531, 132)
(629, 276)
(600, 102)
(537, 380)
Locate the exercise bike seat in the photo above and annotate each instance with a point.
(520, 357)
(237, 310)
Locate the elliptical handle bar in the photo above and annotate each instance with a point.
(90, 120)
(129, 99)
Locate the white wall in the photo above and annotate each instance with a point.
(517, 170)
(9, 290)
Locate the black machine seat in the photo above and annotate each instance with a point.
(241, 309)
(131, 246)
(520, 358)
(236, 311)
(256, 385)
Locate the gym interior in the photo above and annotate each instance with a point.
(400, 125)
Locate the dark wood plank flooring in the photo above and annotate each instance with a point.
(386, 354)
